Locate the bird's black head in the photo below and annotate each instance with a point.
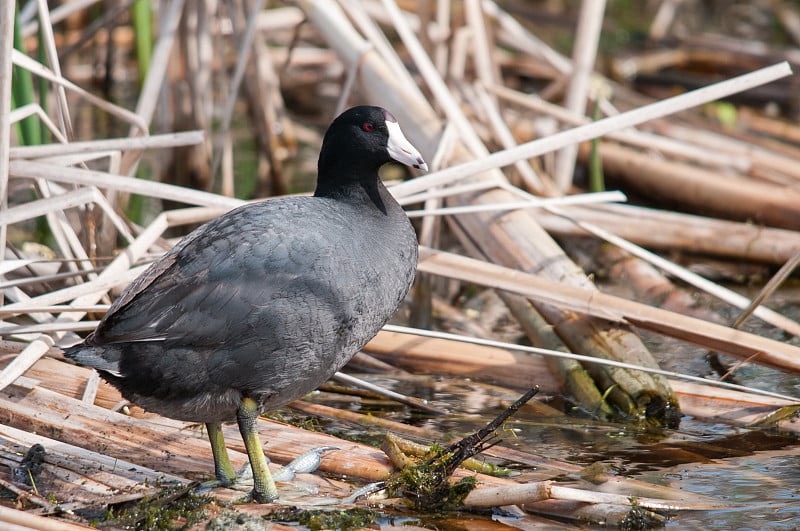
(357, 144)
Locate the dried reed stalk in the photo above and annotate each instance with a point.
(156, 73)
(659, 229)
(576, 299)
(730, 196)
(6, 48)
(533, 492)
(587, 36)
(21, 520)
(275, 131)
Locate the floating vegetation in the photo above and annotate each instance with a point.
(639, 519)
(316, 519)
(173, 508)
(425, 486)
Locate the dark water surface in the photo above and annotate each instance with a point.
(757, 469)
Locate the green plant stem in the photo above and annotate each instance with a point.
(143, 28)
(44, 89)
(29, 130)
(597, 181)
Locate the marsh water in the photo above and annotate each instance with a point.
(756, 470)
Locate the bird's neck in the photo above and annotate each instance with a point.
(369, 192)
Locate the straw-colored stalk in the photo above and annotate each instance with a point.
(587, 36)
(6, 47)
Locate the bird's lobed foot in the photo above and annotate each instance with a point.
(307, 462)
(263, 497)
(255, 497)
(241, 481)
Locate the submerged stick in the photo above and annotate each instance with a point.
(476, 443)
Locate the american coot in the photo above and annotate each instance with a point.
(263, 304)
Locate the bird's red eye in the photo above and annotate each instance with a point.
(368, 126)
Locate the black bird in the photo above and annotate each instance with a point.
(263, 304)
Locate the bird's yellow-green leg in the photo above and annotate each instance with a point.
(223, 469)
(264, 490)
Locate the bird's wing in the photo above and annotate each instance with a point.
(205, 288)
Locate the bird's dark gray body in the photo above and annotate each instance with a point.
(263, 304)
(251, 313)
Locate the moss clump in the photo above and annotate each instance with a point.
(640, 519)
(228, 520)
(426, 484)
(427, 488)
(171, 509)
(321, 519)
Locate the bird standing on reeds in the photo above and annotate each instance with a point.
(263, 304)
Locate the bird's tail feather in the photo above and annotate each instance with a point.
(104, 360)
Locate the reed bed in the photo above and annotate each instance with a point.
(501, 117)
